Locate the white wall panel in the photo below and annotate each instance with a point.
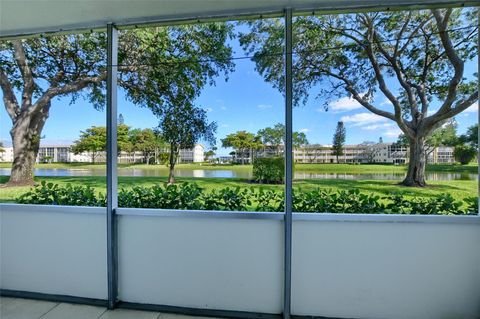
(386, 270)
(230, 264)
(53, 250)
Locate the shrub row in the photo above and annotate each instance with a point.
(191, 196)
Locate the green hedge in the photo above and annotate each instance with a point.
(269, 170)
(191, 196)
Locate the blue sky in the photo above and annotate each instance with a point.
(244, 102)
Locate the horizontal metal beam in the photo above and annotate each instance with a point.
(52, 297)
(199, 213)
(389, 218)
(212, 214)
(217, 313)
(30, 208)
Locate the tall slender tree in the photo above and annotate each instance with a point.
(182, 126)
(121, 120)
(339, 140)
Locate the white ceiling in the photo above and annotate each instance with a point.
(25, 17)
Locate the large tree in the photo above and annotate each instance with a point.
(147, 141)
(470, 137)
(94, 141)
(275, 137)
(415, 60)
(299, 139)
(35, 71)
(244, 143)
(183, 126)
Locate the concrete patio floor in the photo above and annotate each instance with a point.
(17, 308)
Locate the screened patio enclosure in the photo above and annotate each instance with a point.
(234, 264)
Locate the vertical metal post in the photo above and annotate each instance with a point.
(112, 198)
(287, 286)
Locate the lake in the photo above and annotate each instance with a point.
(226, 173)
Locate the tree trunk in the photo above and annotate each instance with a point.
(416, 165)
(172, 161)
(26, 133)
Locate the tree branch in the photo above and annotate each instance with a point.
(67, 88)
(351, 89)
(383, 87)
(411, 37)
(9, 98)
(455, 60)
(28, 82)
(399, 72)
(459, 107)
(402, 31)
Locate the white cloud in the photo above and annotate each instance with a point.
(208, 109)
(472, 109)
(343, 104)
(223, 108)
(224, 125)
(374, 127)
(386, 101)
(361, 119)
(304, 130)
(393, 132)
(264, 106)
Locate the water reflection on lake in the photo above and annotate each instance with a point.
(226, 173)
(436, 176)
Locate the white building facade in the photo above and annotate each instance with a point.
(388, 153)
(6, 155)
(63, 154)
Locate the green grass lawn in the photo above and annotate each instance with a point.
(458, 189)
